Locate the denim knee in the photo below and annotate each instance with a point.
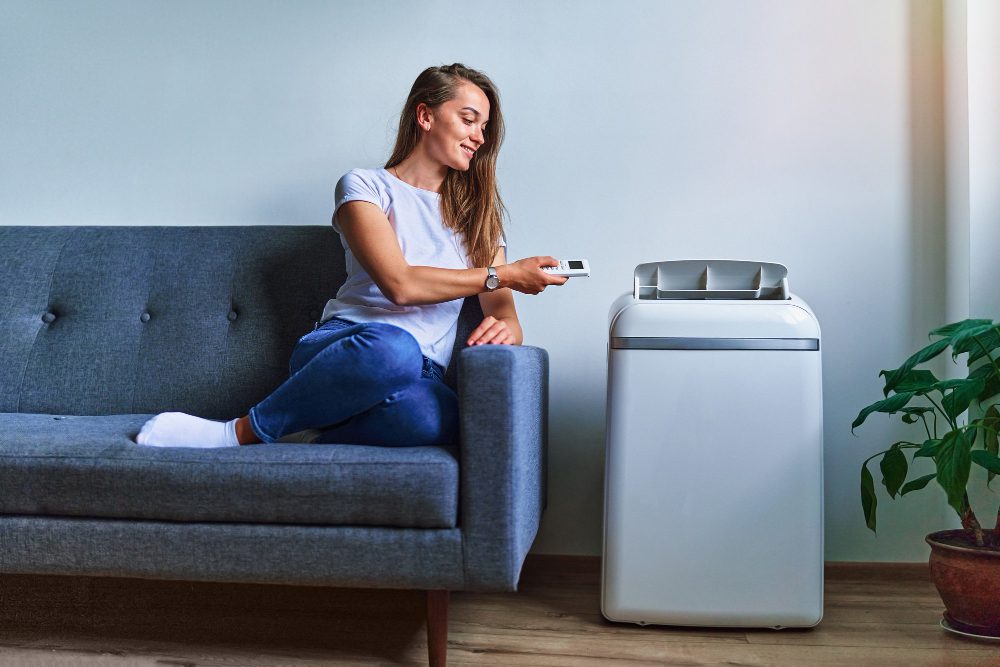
(424, 412)
(399, 352)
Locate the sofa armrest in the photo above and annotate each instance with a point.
(503, 398)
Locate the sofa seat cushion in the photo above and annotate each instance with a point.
(72, 465)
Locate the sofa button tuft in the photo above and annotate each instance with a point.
(49, 318)
(231, 316)
(144, 317)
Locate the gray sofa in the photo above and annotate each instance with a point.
(102, 327)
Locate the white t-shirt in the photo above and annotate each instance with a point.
(415, 216)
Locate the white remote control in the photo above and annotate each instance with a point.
(571, 268)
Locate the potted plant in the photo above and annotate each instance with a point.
(965, 563)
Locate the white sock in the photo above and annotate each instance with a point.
(176, 429)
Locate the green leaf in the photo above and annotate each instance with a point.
(893, 466)
(947, 385)
(990, 389)
(963, 341)
(989, 461)
(929, 449)
(953, 465)
(950, 330)
(962, 394)
(976, 340)
(982, 372)
(990, 341)
(893, 378)
(988, 373)
(991, 435)
(912, 415)
(868, 500)
(892, 404)
(916, 484)
(913, 380)
(991, 420)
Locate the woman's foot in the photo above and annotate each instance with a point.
(177, 429)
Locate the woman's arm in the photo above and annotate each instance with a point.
(500, 325)
(374, 244)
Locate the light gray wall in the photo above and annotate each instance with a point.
(972, 94)
(983, 70)
(799, 132)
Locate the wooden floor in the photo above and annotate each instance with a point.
(875, 615)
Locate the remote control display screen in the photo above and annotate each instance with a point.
(574, 264)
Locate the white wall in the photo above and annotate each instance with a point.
(984, 156)
(972, 63)
(956, 89)
(807, 133)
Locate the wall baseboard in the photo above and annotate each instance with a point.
(549, 565)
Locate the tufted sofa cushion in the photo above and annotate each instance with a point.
(104, 320)
(67, 465)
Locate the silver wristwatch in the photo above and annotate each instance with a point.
(492, 280)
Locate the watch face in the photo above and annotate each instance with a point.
(492, 282)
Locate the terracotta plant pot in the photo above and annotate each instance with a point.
(968, 579)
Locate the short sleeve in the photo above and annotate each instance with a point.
(355, 185)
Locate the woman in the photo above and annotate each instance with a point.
(420, 235)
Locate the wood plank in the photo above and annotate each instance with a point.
(657, 646)
(875, 614)
(838, 571)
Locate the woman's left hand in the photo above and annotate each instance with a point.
(491, 331)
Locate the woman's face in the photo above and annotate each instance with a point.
(456, 126)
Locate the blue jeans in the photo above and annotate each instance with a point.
(362, 384)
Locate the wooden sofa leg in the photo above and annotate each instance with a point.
(437, 628)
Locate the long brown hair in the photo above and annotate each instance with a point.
(470, 200)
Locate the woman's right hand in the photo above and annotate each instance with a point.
(525, 275)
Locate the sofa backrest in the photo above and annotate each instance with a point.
(115, 320)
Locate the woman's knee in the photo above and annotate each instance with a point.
(314, 342)
(390, 352)
(426, 412)
(398, 351)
